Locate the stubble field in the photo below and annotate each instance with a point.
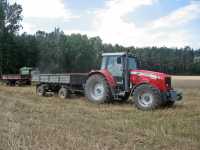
(31, 122)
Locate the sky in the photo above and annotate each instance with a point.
(140, 23)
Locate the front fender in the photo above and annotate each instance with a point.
(142, 83)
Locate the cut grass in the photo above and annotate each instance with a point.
(31, 122)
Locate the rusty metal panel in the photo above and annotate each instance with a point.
(11, 77)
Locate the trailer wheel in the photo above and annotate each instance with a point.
(8, 83)
(63, 93)
(147, 97)
(18, 83)
(41, 90)
(97, 89)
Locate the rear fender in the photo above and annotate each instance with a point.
(107, 75)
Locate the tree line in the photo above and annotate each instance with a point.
(56, 52)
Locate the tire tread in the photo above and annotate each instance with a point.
(157, 97)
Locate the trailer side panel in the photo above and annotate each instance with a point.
(71, 79)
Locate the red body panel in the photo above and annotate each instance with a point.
(155, 79)
(138, 77)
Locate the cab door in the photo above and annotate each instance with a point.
(115, 67)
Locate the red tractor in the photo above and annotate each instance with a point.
(119, 78)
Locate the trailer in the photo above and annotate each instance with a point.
(62, 84)
(17, 79)
(24, 78)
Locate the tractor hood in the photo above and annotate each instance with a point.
(159, 80)
(149, 74)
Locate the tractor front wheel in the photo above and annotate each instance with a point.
(147, 97)
(97, 90)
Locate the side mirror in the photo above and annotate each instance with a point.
(119, 60)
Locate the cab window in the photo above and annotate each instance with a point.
(115, 66)
(132, 64)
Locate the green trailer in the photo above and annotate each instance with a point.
(23, 78)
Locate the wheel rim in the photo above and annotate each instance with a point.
(40, 91)
(62, 94)
(146, 99)
(98, 91)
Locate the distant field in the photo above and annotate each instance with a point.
(186, 81)
(31, 122)
(186, 77)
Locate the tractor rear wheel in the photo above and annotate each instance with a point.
(63, 93)
(41, 90)
(147, 97)
(97, 89)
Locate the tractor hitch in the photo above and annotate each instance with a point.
(174, 95)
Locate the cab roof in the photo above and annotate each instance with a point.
(114, 54)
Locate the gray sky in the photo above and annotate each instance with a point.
(140, 23)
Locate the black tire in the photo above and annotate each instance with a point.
(63, 93)
(8, 83)
(168, 104)
(125, 98)
(12, 83)
(147, 97)
(97, 89)
(41, 90)
(18, 83)
(29, 83)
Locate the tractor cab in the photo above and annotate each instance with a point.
(119, 65)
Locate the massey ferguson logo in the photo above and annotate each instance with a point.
(146, 75)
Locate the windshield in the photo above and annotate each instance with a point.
(132, 64)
